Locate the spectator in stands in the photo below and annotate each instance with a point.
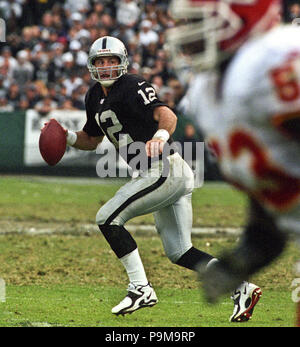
(4, 105)
(147, 73)
(45, 106)
(29, 38)
(133, 47)
(23, 104)
(7, 60)
(150, 54)
(2, 86)
(124, 33)
(177, 87)
(46, 25)
(166, 95)
(77, 29)
(68, 65)
(161, 68)
(98, 8)
(190, 133)
(32, 95)
(128, 13)
(14, 95)
(67, 104)
(49, 44)
(293, 11)
(150, 9)
(72, 82)
(63, 92)
(86, 79)
(11, 11)
(157, 83)
(54, 91)
(76, 97)
(189, 136)
(107, 22)
(43, 69)
(81, 6)
(24, 71)
(146, 34)
(79, 55)
(57, 51)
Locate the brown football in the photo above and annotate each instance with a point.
(52, 142)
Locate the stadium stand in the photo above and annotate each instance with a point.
(43, 61)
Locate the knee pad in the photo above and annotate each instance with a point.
(119, 239)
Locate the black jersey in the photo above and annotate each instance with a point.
(125, 115)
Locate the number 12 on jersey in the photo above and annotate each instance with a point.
(150, 95)
(114, 131)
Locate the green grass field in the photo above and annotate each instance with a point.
(72, 278)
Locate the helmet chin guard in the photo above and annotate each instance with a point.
(107, 46)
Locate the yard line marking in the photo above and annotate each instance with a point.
(92, 228)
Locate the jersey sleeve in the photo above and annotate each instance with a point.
(91, 127)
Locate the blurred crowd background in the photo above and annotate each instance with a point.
(43, 61)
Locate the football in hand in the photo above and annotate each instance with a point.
(52, 142)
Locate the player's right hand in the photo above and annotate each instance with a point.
(154, 147)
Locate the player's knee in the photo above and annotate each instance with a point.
(173, 256)
(103, 217)
(175, 252)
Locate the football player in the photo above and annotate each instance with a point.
(245, 96)
(126, 109)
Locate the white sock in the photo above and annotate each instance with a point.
(134, 268)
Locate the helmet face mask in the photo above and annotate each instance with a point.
(107, 47)
(216, 28)
(192, 44)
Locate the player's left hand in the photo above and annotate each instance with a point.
(154, 147)
(45, 125)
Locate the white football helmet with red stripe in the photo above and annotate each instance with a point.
(209, 31)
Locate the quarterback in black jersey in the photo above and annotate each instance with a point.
(129, 113)
(127, 110)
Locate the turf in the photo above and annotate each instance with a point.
(37, 199)
(73, 278)
(85, 306)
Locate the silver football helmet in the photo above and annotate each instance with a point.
(105, 47)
